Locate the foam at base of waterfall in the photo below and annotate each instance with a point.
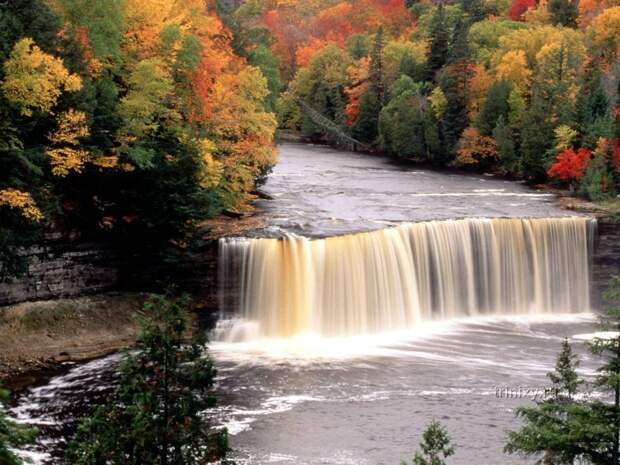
(310, 348)
(394, 279)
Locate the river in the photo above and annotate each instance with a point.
(463, 328)
(319, 192)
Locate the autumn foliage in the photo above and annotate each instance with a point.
(518, 8)
(135, 120)
(300, 30)
(358, 75)
(476, 149)
(139, 119)
(616, 154)
(570, 165)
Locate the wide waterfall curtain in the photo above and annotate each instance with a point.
(394, 278)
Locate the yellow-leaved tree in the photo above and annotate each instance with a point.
(65, 151)
(605, 31)
(243, 130)
(145, 108)
(34, 80)
(22, 201)
(513, 67)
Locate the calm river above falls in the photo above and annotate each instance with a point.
(340, 349)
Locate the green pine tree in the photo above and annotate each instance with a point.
(564, 12)
(536, 139)
(506, 146)
(592, 109)
(359, 45)
(553, 428)
(476, 10)
(436, 446)
(495, 106)
(459, 44)
(565, 379)
(454, 82)
(439, 42)
(155, 416)
(563, 429)
(609, 373)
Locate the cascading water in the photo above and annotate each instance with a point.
(394, 278)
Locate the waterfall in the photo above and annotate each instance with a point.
(394, 278)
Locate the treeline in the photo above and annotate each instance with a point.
(129, 120)
(520, 87)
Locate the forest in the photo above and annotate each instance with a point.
(135, 120)
(521, 88)
(129, 121)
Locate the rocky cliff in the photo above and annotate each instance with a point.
(605, 255)
(61, 269)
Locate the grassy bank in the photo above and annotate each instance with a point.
(39, 336)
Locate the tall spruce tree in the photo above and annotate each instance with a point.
(439, 41)
(454, 81)
(366, 126)
(454, 122)
(592, 106)
(506, 146)
(565, 379)
(536, 139)
(564, 12)
(475, 10)
(459, 42)
(155, 417)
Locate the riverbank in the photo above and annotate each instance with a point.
(605, 210)
(37, 337)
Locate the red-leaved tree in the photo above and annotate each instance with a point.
(616, 153)
(570, 165)
(519, 8)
